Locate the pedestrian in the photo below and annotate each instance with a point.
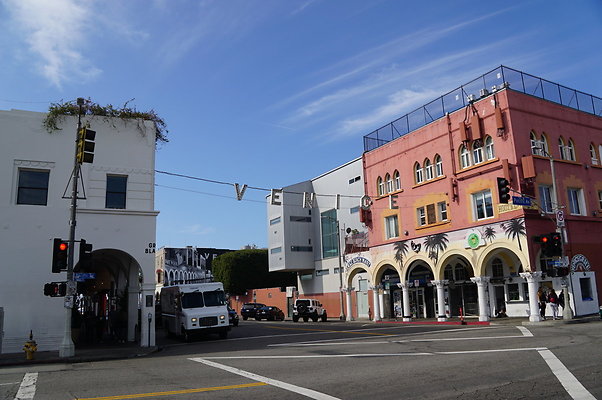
(561, 299)
(541, 297)
(553, 300)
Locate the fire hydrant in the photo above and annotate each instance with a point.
(30, 347)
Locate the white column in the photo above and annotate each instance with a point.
(133, 295)
(147, 323)
(349, 308)
(482, 282)
(381, 303)
(533, 279)
(492, 299)
(441, 299)
(375, 302)
(405, 288)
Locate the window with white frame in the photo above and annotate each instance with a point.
(418, 173)
(483, 205)
(396, 181)
(600, 199)
(489, 151)
(535, 149)
(576, 201)
(477, 152)
(442, 211)
(428, 169)
(389, 182)
(421, 216)
(543, 142)
(546, 198)
(438, 165)
(380, 186)
(570, 151)
(33, 187)
(391, 227)
(593, 155)
(464, 157)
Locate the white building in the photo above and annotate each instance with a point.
(117, 217)
(303, 237)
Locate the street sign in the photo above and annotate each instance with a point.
(555, 263)
(560, 218)
(82, 276)
(521, 201)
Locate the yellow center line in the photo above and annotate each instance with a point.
(186, 391)
(329, 330)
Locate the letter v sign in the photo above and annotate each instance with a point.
(240, 192)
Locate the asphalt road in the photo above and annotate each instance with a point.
(333, 360)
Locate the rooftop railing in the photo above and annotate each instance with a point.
(499, 78)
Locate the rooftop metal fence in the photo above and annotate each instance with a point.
(496, 79)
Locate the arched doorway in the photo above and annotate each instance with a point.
(421, 292)
(462, 294)
(106, 307)
(392, 304)
(358, 299)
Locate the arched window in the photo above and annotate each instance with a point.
(543, 141)
(535, 144)
(428, 169)
(489, 151)
(592, 154)
(570, 151)
(438, 165)
(380, 186)
(477, 152)
(418, 173)
(464, 157)
(396, 181)
(389, 182)
(561, 149)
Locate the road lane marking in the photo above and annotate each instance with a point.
(573, 387)
(524, 330)
(355, 342)
(174, 392)
(312, 394)
(27, 389)
(355, 332)
(9, 383)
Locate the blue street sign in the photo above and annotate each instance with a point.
(555, 263)
(521, 201)
(82, 276)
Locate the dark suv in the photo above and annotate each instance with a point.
(249, 310)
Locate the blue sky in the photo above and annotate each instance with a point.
(272, 92)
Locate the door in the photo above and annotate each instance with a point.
(362, 298)
(417, 303)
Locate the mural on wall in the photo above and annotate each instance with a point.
(435, 243)
(515, 228)
(401, 248)
(190, 262)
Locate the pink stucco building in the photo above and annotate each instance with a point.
(441, 242)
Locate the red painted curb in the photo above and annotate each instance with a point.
(435, 322)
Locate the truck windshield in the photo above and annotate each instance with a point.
(192, 300)
(215, 298)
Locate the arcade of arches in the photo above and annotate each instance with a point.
(450, 286)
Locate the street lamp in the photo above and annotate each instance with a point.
(567, 312)
(339, 255)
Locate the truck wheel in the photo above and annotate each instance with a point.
(187, 336)
(257, 319)
(244, 318)
(295, 318)
(324, 317)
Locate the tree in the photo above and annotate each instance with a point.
(248, 269)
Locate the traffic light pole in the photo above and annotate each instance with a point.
(67, 348)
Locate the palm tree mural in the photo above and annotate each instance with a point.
(515, 228)
(401, 248)
(433, 244)
(489, 234)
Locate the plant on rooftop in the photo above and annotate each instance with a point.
(57, 111)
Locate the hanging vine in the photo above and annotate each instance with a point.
(57, 111)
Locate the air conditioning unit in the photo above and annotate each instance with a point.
(470, 98)
(483, 92)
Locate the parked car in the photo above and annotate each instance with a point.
(309, 308)
(249, 310)
(270, 313)
(233, 316)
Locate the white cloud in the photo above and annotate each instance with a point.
(55, 31)
(196, 229)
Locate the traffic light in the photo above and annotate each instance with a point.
(85, 253)
(55, 289)
(85, 145)
(59, 255)
(555, 245)
(503, 190)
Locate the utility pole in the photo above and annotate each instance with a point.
(342, 309)
(67, 348)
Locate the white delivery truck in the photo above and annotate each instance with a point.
(195, 308)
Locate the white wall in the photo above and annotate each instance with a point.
(26, 231)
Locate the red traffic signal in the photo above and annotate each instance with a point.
(60, 249)
(55, 289)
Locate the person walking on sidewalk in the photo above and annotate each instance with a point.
(553, 300)
(541, 297)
